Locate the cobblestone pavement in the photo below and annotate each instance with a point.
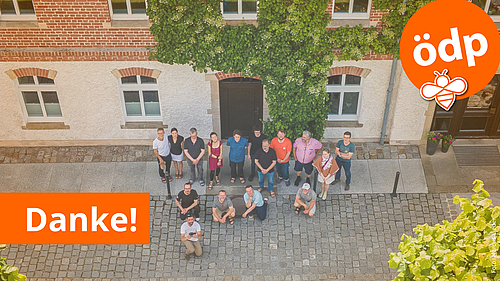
(142, 153)
(350, 238)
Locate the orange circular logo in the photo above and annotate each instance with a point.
(449, 50)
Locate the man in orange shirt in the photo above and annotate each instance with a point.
(283, 148)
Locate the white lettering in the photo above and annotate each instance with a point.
(118, 218)
(72, 221)
(455, 42)
(98, 221)
(29, 221)
(417, 54)
(61, 221)
(469, 51)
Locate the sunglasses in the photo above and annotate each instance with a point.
(190, 215)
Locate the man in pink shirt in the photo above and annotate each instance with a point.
(305, 150)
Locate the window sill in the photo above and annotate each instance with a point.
(143, 125)
(335, 23)
(127, 24)
(45, 126)
(20, 24)
(240, 22)
(343, 124)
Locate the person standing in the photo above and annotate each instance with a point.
(305, 149)
(283, 148)
(194, 147)
(254, 144)
(223, 208)
(327, 167)
(214, 159)
(190, 235)
(345, 150)
(265, 159)
(176, 149)
(187, 201)
(162, 152)
(305, 198)
(254, 202)
(237, 145)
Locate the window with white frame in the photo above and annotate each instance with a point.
(492, 7)
(239, 9)
(351, 9)
(344, 93)
(39, 99)
(128, 9)
(140, 98)
(17, 10)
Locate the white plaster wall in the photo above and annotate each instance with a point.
(373, 98)
(92, 107)
(409, 112)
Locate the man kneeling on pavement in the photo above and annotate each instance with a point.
(190, 235)
(223, 208)
(254, 203)
(305, 198)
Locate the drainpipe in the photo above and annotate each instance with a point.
(389, 96)
(388, 100)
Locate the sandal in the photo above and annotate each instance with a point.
(170, 178)
(177, 176)
(273, 194)
(233, 180)
(210, 185)
(163, 180)
(180, 176)
(231, 221)
(242, 180)
(217, 180)
(297, 210)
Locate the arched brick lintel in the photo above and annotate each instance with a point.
(131, 71)
(31, 71)
(352, 70)
(225, 75)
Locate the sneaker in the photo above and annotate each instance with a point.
(191, 181)
(250, 216)
(250, 178)
(297, 181)
(187, 257)
(279, 179)
(287, 182)
(197, 219)
(320, 195)
(335, 182)
(324, 196)
(308, 180)
(202, 183)
(347, 187)
(265, 200)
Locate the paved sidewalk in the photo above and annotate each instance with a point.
(350, 238)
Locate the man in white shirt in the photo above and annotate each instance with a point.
(162, 152)
(190, 235)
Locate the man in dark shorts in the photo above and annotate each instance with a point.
(187, 201)
(254, 144)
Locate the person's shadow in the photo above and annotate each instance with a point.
(239, 205)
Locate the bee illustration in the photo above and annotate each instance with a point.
(444, 89)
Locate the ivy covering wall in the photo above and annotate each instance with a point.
(291, 49)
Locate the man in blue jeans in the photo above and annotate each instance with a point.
(344, 151)
(254, 202)
(265, 160)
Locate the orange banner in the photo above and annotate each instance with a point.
(75, 218)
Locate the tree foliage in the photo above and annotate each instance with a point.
(465, 249)
(9, 272)
(291, 49)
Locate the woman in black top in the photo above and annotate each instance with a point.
(176, 143)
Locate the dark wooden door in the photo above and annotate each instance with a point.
(475, 117)
(241, 102)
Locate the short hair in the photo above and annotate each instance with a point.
(188, 183)
(160, 129)
(174, 130)
(281, 131)
(237, 132)
(248, 186)
(256, 128)
(307, 133)
(347, 133)
(193, 130)
(222, 190)
(265, 140)
(326, 150)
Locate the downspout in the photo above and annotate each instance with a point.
(389, 96)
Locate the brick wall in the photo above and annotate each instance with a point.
(74, 23)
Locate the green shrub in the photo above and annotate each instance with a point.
(9, 272)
